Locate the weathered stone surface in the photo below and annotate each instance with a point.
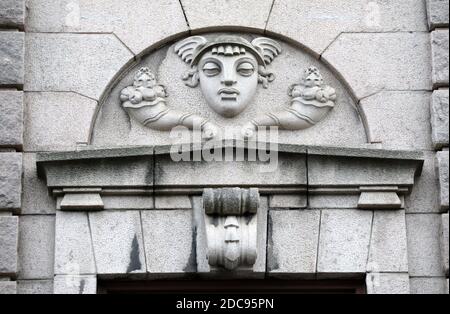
(11, 119)
(87, 69)
(318, 23)
(293, 242)
(424, 254)
(11, 58)
(12, 13)
(442, 169)
(81, 201)
(35, 198)
(288, 201)
(444, 242)
(428, 285)
(173, 202)
(437, 13)
(74, 254)
(234, 13)
(126, 19)
(344, 241)
(8, 287)
(379, 200)
(57, 121)
(390, 116)
(439, 118)
(75, 284)
(424, 197)
(169, 241)
(9, 230)
(388, 247)
(392, 283)
(128, 202)
(10, 180)
(398, 61)
(117, 242)
(333, 201)
(440, 55)
(36, 247)
(35, 287)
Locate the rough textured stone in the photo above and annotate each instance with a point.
(11, 119)
(424, 197)
(35, 287)
(75, 284)
(392, 283)
(161, 20)
(12, 13)
(333, 201)
(293, 242)
(344, 241)
(73, 62)
(439, 118)
(318, 23)
(428, 285)
(440, 55)
(117, 242)
(11, 58)
(35, 198)
(390, 116)
(437, 13)
(36, 247)
(388, 246)
(173, 202)
(288, 201)
(8, 287)
(128, 202)
(169, 241)
(442, 169)
(8, 244)
(57, 121)
(398, 61)
(10, 181)
(444, 242)
(74, 254)
(424, 254)
(235, 13)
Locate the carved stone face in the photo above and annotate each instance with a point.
(228, 82)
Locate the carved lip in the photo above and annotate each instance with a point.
(229, 93)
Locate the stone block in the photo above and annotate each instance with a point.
(173, 202)
(128, 202)
(379, 200)
(392, 283)
(424, 254)
(75, 284)
(11, 119)
(319, 22)
(169, 242)
(57, 121)
(8, 287)
(162, 19)
(333, 201)
(73, 63)
(437, 13)
(440, 55)
(344, 241)
(293, 242)
(81, 201)
(444, 242)
(117, 242)
(36, 247)
(442, 169)
(11, 58)
(428, 285)
(439, 118)
(398, 61)
(35, 198)
(74, 254)
(10, 181)
(9, 230)
(288, 201)
(237, 14)
(388, 247)
(12, 13)
(389, 116)
(35, 287)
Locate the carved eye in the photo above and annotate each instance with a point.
(211, 69)
(246, 69)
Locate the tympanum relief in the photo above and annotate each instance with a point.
(228, 70)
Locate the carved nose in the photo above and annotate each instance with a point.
(229, 82)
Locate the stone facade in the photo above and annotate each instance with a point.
(90, 184)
